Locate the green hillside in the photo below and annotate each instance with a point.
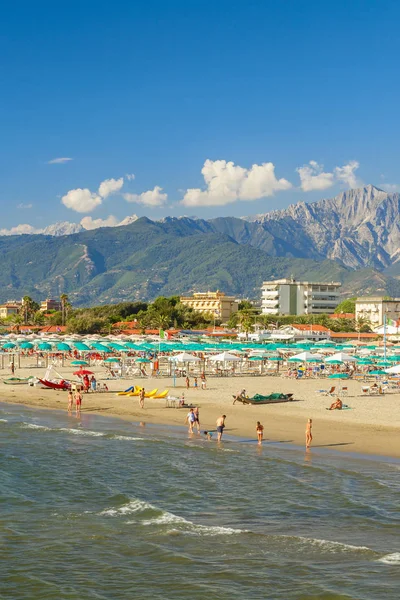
(147, 259)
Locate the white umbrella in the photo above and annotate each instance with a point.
(306, 357)
(224, 357)
(395, 369)
(184, 357)
(342, 357)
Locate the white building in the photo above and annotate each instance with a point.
(291, 297)
(374, 308)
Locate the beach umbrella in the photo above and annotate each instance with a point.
(44, 346)
(342, 357)
(184, 357)
(224, 357)
(395, 369)
(112, 359)
(275, 358)
(306, 357)
(377, 372)
(334, 362)
(142, 360)
(63, 347)
(383, 363)
(364, 361)
(83, 372)
(9, 345)
(81, 347)
(26, 346)
(79, 363)
(338, 376)
(256, 358)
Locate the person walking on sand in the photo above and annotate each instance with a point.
(78, 401)
(141, 398)
(195, 384)
(220, 427)
(187, 382)
(260, 432)
(70, 400)
(191, 419)
(308, 433)
(203, 381)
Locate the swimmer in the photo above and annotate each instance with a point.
(191, 419)
(70, 400)
(208, 435)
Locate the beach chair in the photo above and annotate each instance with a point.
(330, 392)
(345, 391)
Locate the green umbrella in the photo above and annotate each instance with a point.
(334, 362)
(378, 372)
(365, 361)
(338, 376)
(44, 346)
(275, 358)
(26, 346)
(79, 362)
(142, 360)
(256, 358)
(112, 359)
(384, 363)
(63, 347)
(9, 345)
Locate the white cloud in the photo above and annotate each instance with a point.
(59, 161)
(110, 186)
(312, 177)
(81, 200)
(154, 197)
(390, 187)
(23, 206)
(130, 176)
(90, 223)
(347, 174)
(20, 229)
(227, 183)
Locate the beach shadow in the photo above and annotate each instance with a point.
(329, 445)
(99, 408)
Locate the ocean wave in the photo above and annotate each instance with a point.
(390, 559)
(126, 438)
(3, 420)
(82, 432)
(329, 545)
(33, 426)
(133, 506)
(161, 518)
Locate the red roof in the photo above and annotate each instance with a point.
(310, 327)
(53, 329)
(343, 316)
(353, 335)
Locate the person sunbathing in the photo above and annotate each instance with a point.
(337, 405)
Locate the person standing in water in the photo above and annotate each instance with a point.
(78, 401)
(308, 433)
(220, 427)
(70, 400)
(191, 420)
(260, 432)
(141, 398)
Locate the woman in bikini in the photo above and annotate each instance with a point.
(260, 432)
(308, 433)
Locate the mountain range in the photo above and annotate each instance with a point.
(353, 238)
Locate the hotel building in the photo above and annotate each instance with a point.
(291, 297)
(215, 303)
(374, 309)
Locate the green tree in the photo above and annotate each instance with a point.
(28, 308)
(346, 306)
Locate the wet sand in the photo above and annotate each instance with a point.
(372, 426)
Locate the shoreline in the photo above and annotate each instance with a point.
(371, 433)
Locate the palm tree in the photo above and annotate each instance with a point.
(27, 308)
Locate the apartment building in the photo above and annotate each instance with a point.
(291, 297)
(374, 308)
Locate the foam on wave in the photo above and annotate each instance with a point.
(82, 432)
(33, 426)
(162, 518)
(330, 545)
(390, 559)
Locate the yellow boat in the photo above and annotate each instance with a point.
(151, 394)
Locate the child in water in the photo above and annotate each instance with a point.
(208, 435)
(308, 433)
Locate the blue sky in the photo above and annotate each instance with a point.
(160, 89)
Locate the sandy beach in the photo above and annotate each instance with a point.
(371, 426)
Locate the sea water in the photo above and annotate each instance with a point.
(96, 508)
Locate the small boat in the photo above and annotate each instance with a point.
(55, 385)
(17, 380)
(274, 398)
